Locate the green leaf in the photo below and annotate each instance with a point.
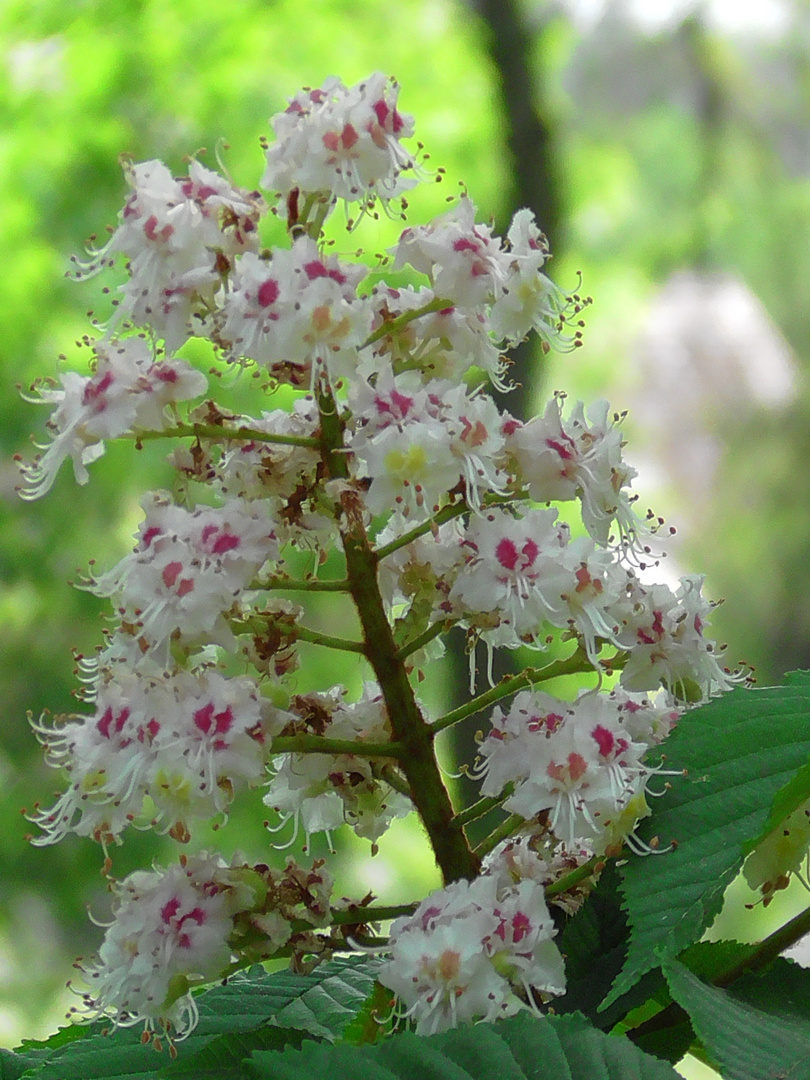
(740, 750)
(223, 1057)
(668, 1033)
(522, 1048)
(782, 990)
(374, 1020)
(337, 994)
(327, 999)
(745, 1041)
(13, 1064)
(594, 944)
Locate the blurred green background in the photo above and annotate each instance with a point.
(665, 148)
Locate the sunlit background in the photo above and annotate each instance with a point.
(665, 148)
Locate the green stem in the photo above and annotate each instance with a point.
(257, 624)
(392, 777)
(315, 227)
(570, 881)
(423, 639)
(447, 513)
(505, 829)
(483, 806)
(318, 744)
(576, 663)
(315, 637)
(379, 913)
(221, 434)
(409, 727)
(280, 583)
(768, 949)
(391, 326)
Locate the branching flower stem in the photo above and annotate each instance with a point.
(257, 624)
(447, 513)
(506, 828)
(563, 884)
(418, 761)
(483, 806)
(423, 639)
(391, 326)
(282, 584)
(220, 434)
(319, 744)
(575, 664)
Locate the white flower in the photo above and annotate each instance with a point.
(180, 237)
(130, 390)
(579, 457)
(342, 143)
(575, 761)
(463, 261)
(510, 562)
(478, 950)
(527, 299)
(322, 791)
(418, 442)
(162, 749)
(297, 314)
(170, 926)
(188, 569)
(664, 632)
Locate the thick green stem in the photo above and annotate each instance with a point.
(408, 725)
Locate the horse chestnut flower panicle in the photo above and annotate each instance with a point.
(384, 459)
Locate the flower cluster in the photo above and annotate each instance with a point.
(438, 509)
(164, 749)
(579, 764)
(176, 928)
(477, 950)
(322, 791)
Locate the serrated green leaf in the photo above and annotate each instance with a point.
(708, 959)
(223, 1057)
(594, 944)
(13, 1064)
(373, 1021)
(782, 990)
(746, 1042)
(247, 1001)
(522, 1048)
(739, 750)
(333, 1001)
